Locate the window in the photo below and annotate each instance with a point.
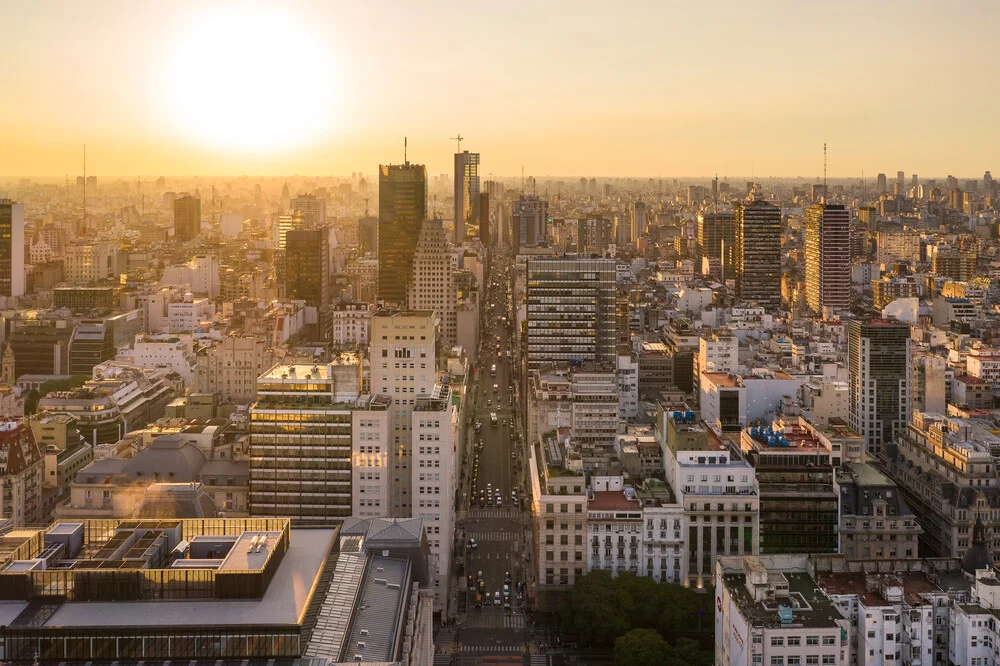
(812, 659)
(829, 640)
(812, 640)
(829, 659)
(794, 661)
(777, 641)
(794, 641)
(777, 661)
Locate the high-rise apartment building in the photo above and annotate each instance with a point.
(639, 219)
(531, 220)
(878, 356)
(187, 218)
(11, 248)
(402, 200)
(594, 235)
(484, 219)
(403, 358)
(433, 286)
(828, 258)
(717, 240)
(301, 434)
(758, 253)
(571, 311)
(311, 208)
(882, 184)
(466, 193)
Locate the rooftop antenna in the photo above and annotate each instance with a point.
(405, 160)
(84, 225)
(522, 178)
(457, 138)
(824, 172)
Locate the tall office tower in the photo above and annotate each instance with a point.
(717, 240)
(594, 235)
(11, 248)
(882, 185)
(639, 219)
(878, 356)
(312, 210)
(187, 218)
(433, 286)
(987, 182)
(301, 434)
(484, 219)
(402, 356)
(914, 181)
(285, 201)
(592, 186)
(901, 179)
(531, 221)
(402, 207)
(466, 192)
(623, 230)
(757, 261)
(307, 266)
(368, 235)
(571, 311)
(828, 258)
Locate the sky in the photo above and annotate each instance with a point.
(560, 88)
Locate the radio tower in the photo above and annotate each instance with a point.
(824, 172)
(83, 223)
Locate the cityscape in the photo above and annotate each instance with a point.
(294, 373)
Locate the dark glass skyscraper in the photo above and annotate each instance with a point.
(466, 193)
(307, 265)
(758, 253)
(402, 207)
(187, 218)
(878, 358)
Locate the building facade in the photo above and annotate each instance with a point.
(828, 258)
(878, 357)
(757, 264)
(402, 198)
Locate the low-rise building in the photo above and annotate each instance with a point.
(771, 610)
(876, 524)
(21, 474)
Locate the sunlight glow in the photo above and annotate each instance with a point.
(249, 79)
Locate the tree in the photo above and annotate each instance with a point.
(592, 610)
(31, 400)
(641, 647)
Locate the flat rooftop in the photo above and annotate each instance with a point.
(914, 583)
(818, 612)
(284, 602)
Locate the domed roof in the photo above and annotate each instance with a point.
(978, 556)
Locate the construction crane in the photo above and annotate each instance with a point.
(459, 140)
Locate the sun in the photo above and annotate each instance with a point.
(249, 79)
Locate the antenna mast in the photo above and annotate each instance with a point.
(84, 222)
(824, 172)
(405, 160)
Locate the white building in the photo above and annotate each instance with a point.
(402, 356)
(718, 352)
(628, 385)
(984, 363)
(769, 610)
(434, 428)
(433, 286)
(14, 248)
(614, 530)
(728, 400)
(188, 314)
(370, 460)
(351, 324)
(162, 351)
(717, 489)
(231, 368)
(825, 400)
(200, 276)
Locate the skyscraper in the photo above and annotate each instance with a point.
(571, 311)
(402, 202)
(881, 186)
(639, 219)
(594, 235)
(531, 221)
(433, 286)
(11, 248)
(307, 266)
(187, 218)
(311, 208)
(717, 239)
(878, 357)
(757, 263)
(484, 219)
(828, 258)
(466, 192)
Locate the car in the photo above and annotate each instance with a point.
(499, 501)
(506, 607)
(506, 589)
(496, 388)
(479, 601)
(489, 402)
(506, 577)
(472, 544)
(496, 598)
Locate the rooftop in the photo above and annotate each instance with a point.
(811, 608)
(612, 500)
(871, 588)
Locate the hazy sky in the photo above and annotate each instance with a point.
(573, 88)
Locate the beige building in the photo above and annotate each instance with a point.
(433, 286)
(558, 512)
(231, 368)
(876, 524)
(86, 262)
(402, 356)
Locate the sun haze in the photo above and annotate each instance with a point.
(634, 88)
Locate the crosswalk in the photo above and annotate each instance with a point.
(487, 620)
(539, 660)
(491, 649)
(444, 659)
(501, 512)
(495, 535)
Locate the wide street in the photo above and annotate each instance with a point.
(494, 508)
